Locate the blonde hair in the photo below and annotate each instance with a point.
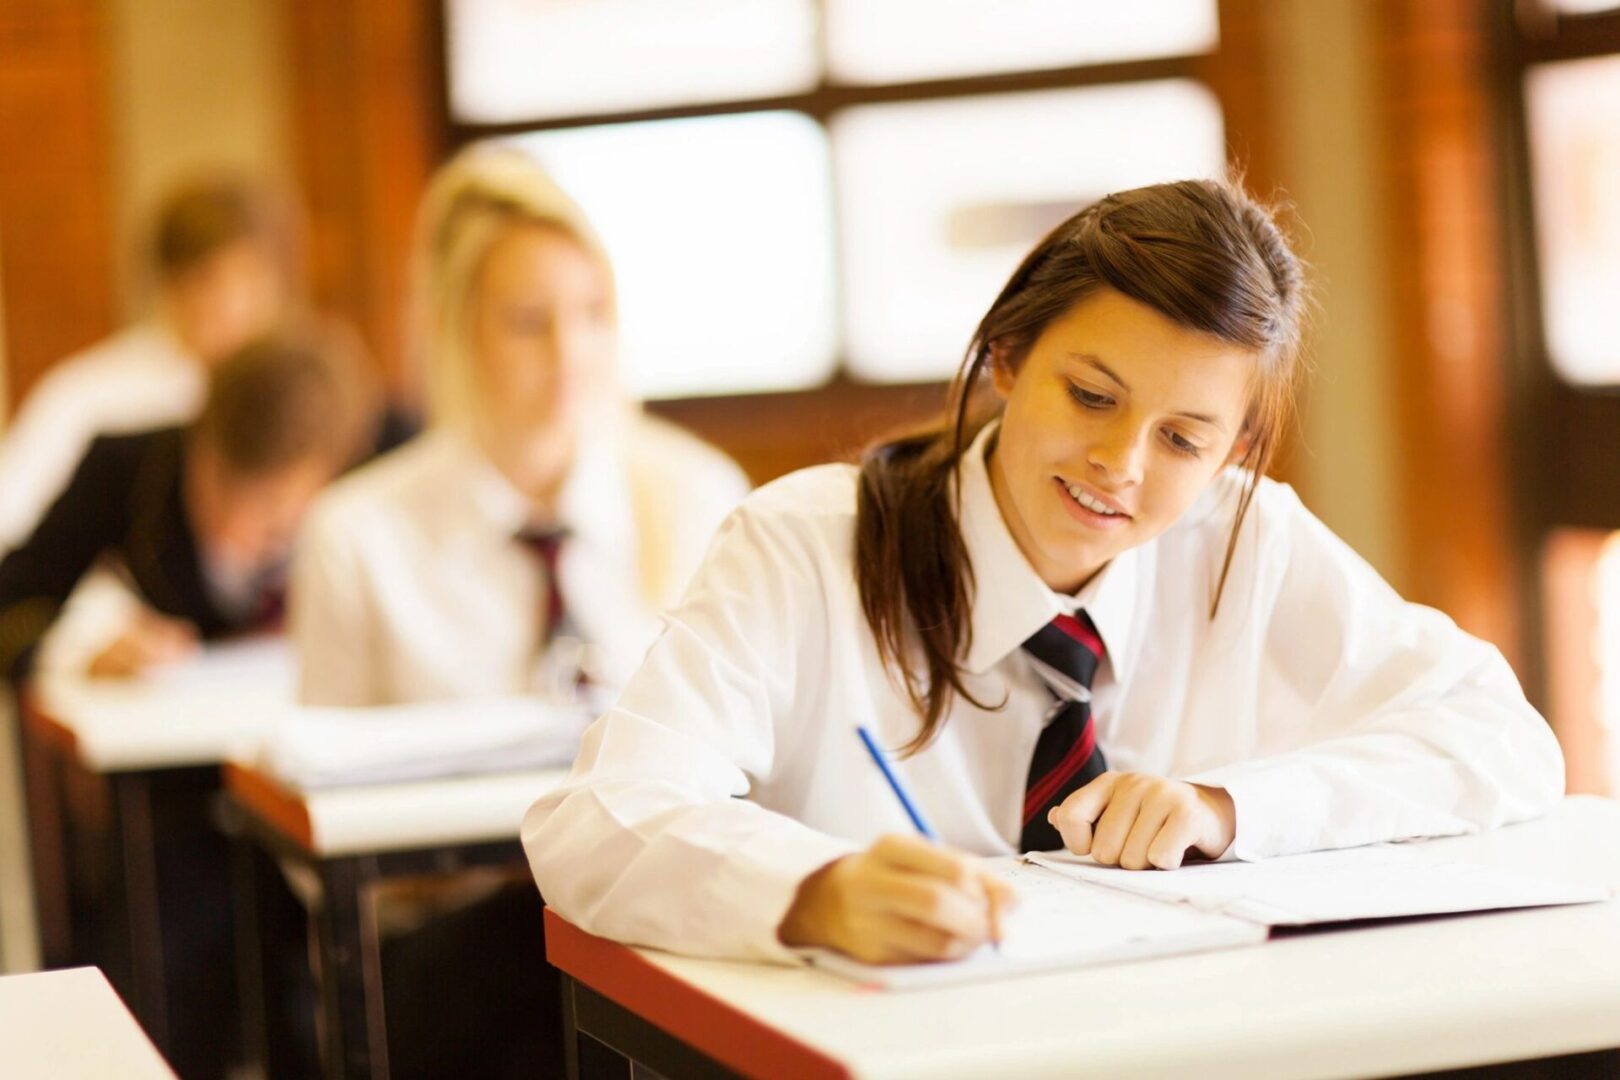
(474, 200)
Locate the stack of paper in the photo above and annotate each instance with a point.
(1074, 913)
(320, 747)
(1382, 881)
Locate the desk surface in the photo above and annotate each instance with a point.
(330, 822)
(70, 1025)
(1398, 998)
(219, 705)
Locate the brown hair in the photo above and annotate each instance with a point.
(209, 213)
(1200, 252)
(298, 394)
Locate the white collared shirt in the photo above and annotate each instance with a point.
(1333, 712)
(409, 583)
(137, 379)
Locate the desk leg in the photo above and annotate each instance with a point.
(354, 1036)
(42, 794)
(606, 1041)
(133, 886)
(169, 914)
(275, 981)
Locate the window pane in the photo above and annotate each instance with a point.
(720, 230)
(1574, 116)
(1580, 587)
(940, 200)
(515, 60)
(1583, 7)
(872, 41)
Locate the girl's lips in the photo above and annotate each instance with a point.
(1085, 516)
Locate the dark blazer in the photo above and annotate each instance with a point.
(126, 502)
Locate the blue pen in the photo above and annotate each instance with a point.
(917, 819)
(894, 782)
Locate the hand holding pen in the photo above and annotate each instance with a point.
(903, 900)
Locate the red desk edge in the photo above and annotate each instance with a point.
(724, 1033)
(271, 802)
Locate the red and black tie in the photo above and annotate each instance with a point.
(547, 544)
(1067, 650)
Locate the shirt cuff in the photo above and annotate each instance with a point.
(1276, 813)
(759, 879)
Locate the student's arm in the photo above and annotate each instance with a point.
(330, 616)
(41, 447)
(36, 578)
(1402, 725)
(650, 840)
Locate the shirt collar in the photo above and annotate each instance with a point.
(1011, 601)
(593, 504)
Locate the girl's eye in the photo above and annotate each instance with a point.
(1182, 445)
(1089, 399)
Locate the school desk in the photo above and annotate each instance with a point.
(353, 839)
(1375, 1000)
(70, 1025)
(130, 873)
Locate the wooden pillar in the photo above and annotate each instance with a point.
(1446, 292)
(56, 228)
(368, 128)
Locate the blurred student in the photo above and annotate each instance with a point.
(523, 545)
(220, 253)
(529, 537)
(198, 520)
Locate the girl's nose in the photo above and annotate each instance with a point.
(1119, 456)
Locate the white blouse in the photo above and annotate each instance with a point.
(140, 378)
(408, 583)
(1333, 712)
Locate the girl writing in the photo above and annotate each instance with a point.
(1076, 607)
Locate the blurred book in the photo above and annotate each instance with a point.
(328, 747)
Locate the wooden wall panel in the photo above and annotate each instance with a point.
(1446, 289)
(56, 228)
(368, 127)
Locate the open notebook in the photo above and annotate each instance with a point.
(1074, 913)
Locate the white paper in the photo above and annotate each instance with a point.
(320, 747)
(1378, 882)
(216, 704)
(1060, 923)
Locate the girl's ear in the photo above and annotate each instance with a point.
(1003, 370)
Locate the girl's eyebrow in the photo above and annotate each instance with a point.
(1088, 358)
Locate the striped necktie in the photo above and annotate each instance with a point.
(1066, 652)
(547, 544)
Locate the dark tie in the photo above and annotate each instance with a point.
(547, 544)
(1066, 755)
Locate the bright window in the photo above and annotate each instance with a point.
(1606, 651)
(522, 60)
(939, 200)
(720, 231)
(878, 41)
(798, 190)
(1574, 120)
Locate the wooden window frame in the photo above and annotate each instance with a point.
(1560, 432)
(773, 433)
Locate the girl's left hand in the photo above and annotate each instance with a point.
(1139, 821)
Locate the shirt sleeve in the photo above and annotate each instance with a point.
(45, 440)
(330, 618)
(651, 839)
(37, 577)
(1396, 723)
